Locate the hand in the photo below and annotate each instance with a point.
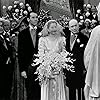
(86, 92)
(23, 74)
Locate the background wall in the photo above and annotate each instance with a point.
(9, 2)
(56, 9)
(93, 2)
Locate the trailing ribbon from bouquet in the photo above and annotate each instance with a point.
(52, 63)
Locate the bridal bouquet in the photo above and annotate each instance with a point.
(51, 63)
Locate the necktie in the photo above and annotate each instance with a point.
(33, 36)
(72, 38)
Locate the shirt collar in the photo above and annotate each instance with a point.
(73, 34)
(31, 27)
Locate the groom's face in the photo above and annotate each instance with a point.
(33, 19)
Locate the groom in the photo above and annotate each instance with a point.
(27, 47)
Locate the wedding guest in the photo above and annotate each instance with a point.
(10, 66)
(87, 30)
(27, 47)
(75, 44)
(4, 61)
(18, 85)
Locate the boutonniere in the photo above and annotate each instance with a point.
(81, 45)
(78, 40)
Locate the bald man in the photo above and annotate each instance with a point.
(27, 47)
(75, 44)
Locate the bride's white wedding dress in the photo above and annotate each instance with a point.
(55, 87)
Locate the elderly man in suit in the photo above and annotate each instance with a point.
(4, 64)
(27, 47)
(75, 44)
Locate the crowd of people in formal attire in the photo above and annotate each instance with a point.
(24, 33)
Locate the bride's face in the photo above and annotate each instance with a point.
(53, 28)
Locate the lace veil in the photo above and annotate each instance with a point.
(45, 31)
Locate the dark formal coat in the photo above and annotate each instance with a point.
(26, 50)
(76, 79)
(4, 69)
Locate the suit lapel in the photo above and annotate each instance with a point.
(68, 42)
(37, 40)
(4, 42)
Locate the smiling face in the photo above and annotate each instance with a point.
(52, 28)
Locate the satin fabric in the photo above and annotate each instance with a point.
(92, 64)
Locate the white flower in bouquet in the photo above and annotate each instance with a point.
(52, 63)
(82, 21)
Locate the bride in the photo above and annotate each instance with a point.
(53, 40)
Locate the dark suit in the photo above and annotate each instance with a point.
(5, 70)
(26, 50)
(75, 80)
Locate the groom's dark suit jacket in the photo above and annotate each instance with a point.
(26, 50)
(76, 79)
